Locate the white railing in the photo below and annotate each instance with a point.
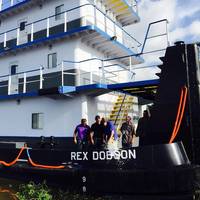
(4, 4)
(85, 72)
(57, 24)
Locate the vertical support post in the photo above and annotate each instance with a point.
(9, 84)
(115, 31)
(24, 85)
(18, 36)
(62, 71)
(48, 21)
(91, 77)
(105, 23)
(11, 2)
(78, 75)
(167, 33)
(5, 40)
(41, 78)
(130, 63)
(95, 16)
(103, 72)
(65, 22)
(32, 32)
(1, 5)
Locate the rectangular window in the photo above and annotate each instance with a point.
(37, 120)
(22, 26)
(58, 12)
(13, 69)
(52, 60)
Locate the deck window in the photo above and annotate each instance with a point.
(37, 120)
(52, 60)
(58, 12)
(22, 26)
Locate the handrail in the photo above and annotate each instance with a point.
(78, 7)
(148, 29)
(29, 71)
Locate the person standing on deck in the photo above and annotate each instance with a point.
(110, 134)
(81, 134)
(128, 133)
(142, 127)
(97, 133)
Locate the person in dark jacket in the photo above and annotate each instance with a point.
(128, 133)
(141, 130)
(97, 133)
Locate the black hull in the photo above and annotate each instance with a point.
(159, 169)
(177, 180)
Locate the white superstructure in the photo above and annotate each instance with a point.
(57, 58)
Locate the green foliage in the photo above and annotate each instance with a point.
(32, 191)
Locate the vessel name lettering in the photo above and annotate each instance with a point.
(104, 155)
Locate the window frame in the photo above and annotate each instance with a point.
(39, 125)
(58, 15)
(52, 63)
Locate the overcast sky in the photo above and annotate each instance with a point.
(184, 24)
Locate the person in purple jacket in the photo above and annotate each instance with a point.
(81, 134)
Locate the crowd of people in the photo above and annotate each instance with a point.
(103, 134)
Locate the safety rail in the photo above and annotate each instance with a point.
(4, 4)
(88, 14)
(85, 72)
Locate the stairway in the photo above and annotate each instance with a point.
(121, 109)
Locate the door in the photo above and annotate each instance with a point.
(14, 85)
(23, 31)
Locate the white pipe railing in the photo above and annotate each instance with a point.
(101, 20)
(67, 68)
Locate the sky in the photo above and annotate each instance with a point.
(184, 24)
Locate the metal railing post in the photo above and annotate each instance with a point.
(9, 84)
(95, 16)
(11, 2)
(167, 33)
(105, 23)
(48, 22)
(1, 5)
(91, 78)
(5, 40)
(103, 72)
(41, 78)
(32, 32)
(130, 63)
(78, 75)
(24, 85)
(65, 22)
(62, 71)
(18, 35)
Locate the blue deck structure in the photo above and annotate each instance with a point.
(138, 88)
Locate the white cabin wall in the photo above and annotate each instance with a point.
(37, 12)
(59, 117)
(34, 58)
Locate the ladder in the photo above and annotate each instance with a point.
(121, 109)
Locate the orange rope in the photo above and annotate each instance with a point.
(43, 166)
(14, 161)
(180, 113)
(30, 160)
